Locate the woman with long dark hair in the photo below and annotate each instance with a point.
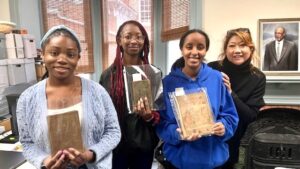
(244, 81)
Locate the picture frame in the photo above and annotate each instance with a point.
(286, 65)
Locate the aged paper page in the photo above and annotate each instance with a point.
(194, 114)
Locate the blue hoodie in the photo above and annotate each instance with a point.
(207, 152)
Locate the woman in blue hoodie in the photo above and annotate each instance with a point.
(189, 72)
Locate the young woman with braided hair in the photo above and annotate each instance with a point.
(132, 49)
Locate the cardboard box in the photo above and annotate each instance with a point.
(20, 31)
(29, 46)
(3, 74)
(2, 46)
(16, 71)
(6, 123)
(30, 70)
(14, 46)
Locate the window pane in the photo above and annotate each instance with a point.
(175, 18)
(115, 12)
(173, 53)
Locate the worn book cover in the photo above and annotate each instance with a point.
(141, 89)
(194, 114)
(141, 81)
(64, 131)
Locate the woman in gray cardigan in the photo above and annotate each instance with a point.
(63, 91)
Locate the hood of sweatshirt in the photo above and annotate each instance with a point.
(202, 75)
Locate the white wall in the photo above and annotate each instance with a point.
(30, 17)
(4, 10)
(219, 16)
(24, 13)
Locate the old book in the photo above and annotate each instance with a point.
(194, 114)
(151, 89)
(64, 131)
(141, 89)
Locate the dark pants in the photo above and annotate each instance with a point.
(83, 167)
(168, 165)
(70, 166)
(233, 154)
(132, 160)
(234, 145)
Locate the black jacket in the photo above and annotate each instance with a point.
(248, 88)
(136, 132)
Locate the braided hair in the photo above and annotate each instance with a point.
(117, 88)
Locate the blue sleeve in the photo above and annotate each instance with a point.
(112, 134)
(227, 114)
(166, 128)
(34, 154)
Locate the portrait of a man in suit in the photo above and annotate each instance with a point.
(280, 54)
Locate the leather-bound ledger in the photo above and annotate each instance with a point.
(141, 89)
(194, 113)
(64, 132)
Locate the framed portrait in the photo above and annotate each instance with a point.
(279, 48)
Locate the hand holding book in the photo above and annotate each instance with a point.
(55, 161)
(193, 113)
(143, 81)
(64, 132)
(143, 109)
(218, 130)
(69, 156)
(77, 158)
(65, 141)
(191, 137)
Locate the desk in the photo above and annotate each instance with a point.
(11, 159)
(9, 147)
(26, 165)
(14, 148)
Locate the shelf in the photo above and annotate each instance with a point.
(283, 79)
(282, 100)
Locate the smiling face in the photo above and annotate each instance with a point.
(194, 50)
(131, 40)
(237, 51)
(61, 56)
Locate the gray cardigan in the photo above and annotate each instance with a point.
(100, 127)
